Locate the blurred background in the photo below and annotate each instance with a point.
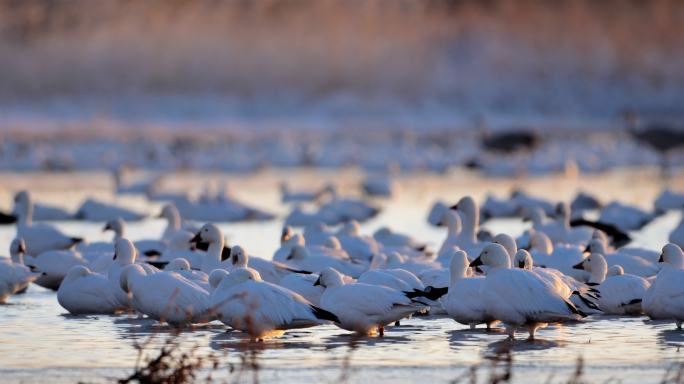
(114, 67)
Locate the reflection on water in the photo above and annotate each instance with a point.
(38, 338)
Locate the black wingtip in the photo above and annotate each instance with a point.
(322, 314)
(152, 253)
(430, 293)
(574, 309)
(76, 240)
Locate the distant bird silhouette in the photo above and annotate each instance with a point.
(508, 141)
(661, 137)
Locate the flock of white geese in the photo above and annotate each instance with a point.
(553, 273)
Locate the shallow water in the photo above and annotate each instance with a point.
(39, 341)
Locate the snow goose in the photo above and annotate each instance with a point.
(245, 302)
(625, 217)
(165, 296)
(303, 285)
(271, 271)
(43, 212)
(300, 258)
(668, 200)
(124, 255)
(470, 223)
(287, 195)
(387, 237)
(137, 187)
(519, 297)
(298, 217)
(84, 292)
(213, 257)
(364, 308)
(346, 208)
(560, 230)
(665, 298)
(463, 303)
(360, 248)
(38, 237)
(14, 275)
(379, 186)
(147, 247)
(174, 222)
(452, 221)
(180, 246)
(561, 256)
(182, 267)
(93, 210)
(54, 266)
(582, 296)
(631, 263)
(620, 294)
(436, 213)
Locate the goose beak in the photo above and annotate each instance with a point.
(579, 265)
(477, 262)
(235, 259)
(454, 207)
(521, 264)
(587, 249)
(661, 259)
(114, 258)
(526, 220)
(22, 247)
(106, 228)
(197, 238)
(318, 282)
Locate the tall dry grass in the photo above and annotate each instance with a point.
(503, 54)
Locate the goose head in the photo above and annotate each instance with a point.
(209, 233)
(216, 277)
(332, 242)
(596, 265)
(17, 250)
(494, 256)
(459, 264)
(451, 220)
(240, 275)
(596, 246)
(351, 228)
(286, 234)
(523, 260)
(329, 278)
(615, 270)
(672, 254)
(541, 242)
(466, 205)
(507, 242)
(118, 226)
(170, 213)
(23, 206)
(238, 257)
(178, 264)
(124, 252)
(76, 273)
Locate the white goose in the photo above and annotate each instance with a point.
(54, 266)
(182, 267)
(519, 297)
(211, 234)
(463, 303)
(300, 258)
(470, 223)
(148, 247)
(665, 298)
(620, 294)
(387, 237)
(38, 237)
(261, 309)
(304, 285)
(363, 308)
(271, 271)
(166, 296)
(84, 292)
(124, 255)
(15, 277)
(452, 220)
(632, 264)
(360, 248)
